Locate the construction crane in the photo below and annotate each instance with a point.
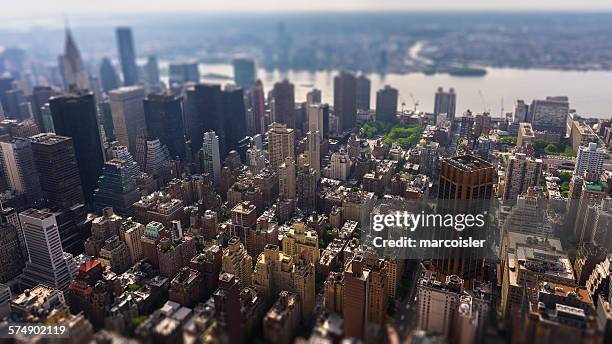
(484, 103)
(414, 101)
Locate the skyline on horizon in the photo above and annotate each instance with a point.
(36, 9)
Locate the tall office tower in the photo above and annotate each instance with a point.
(280, 144)
(128, 114)
(57, 169)
(40, 97)
(164, 118)
(592, 193)
(590, 158)
(11, 217)
(315, 117)
(258, 104)
(522, 172)
(466, 177)
(73, 69)
(181, 73)
(283, 109)
(313, 97)
(304, 285)
(355, 302)
(386, 104)
(281, 321)
(108, 75)
(234, 118)
(211, 158)
(203, 113)
(127, 56)
(519, 115)
(429, 159)
(151, 76)
(228, 307)
(116, 188)
(286, 179)
(244, 72)
(122, 153)
(75, 116)
(345, 100)
(18, 105)
(6, 84)
(273, 272)
(47, 264)
(11, 255)
(20, 170)
(442, 307)
(363, 89)
(314, 150)
(445, 102)
(549, 114)
(307, 188)
(156, 155)
(237, 262)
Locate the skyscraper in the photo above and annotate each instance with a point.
(11, 255)
(234, 118)
(128, 114)
(386, 104)
(152, 74)
(47, 264)
(108, 75)
(283, 109)
(280, 144)
(258, 104)
(183, 72)
(244, 72)
(58, 170)
(363, 89)
(445, 102)
(20, 170)
(211, 159)
(203, 113)
(345, 100)
(590, 158)
(463, 178)
(522, 172)
(286, 179)
(75, 116)
(164, 118)
(40, 96)
(74, 74)
(466, 177)
(127, 55)
(549, 114)
(116, 188)
(314, 150)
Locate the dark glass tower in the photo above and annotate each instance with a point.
(345, 100)
(127, 55)
(244, 72)
(284, 103)
(58, 172)
(40, 96)
(164, 116)
(117, 188)
(108, 75)
(234, 118)
(75, 116)
(203, 113)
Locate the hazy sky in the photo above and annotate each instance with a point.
(29, 8)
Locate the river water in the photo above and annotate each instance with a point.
(590, 93)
